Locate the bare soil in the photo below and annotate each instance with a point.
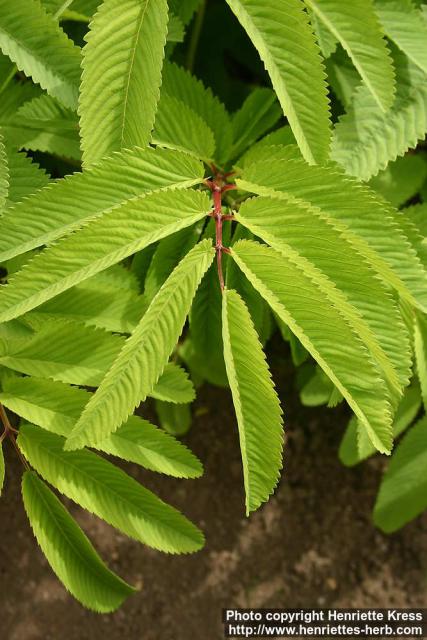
(312, 545)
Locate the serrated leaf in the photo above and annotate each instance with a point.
(403, 23)
(365, 139)
(142, 360)
(179, 127)
(108, 492)
(184, 8)
(174, 386)
(355, 447)
(366, 220)
(356, 27)
(420, 348)
(96, 302)
(56, 407)
(167, 255)
(282, 34)
(257, 406)
(329, 258)
(122, 64)
(40, 49)
(179, 83)
(42, 124)
(103, 242)
(323, 332)
(258, 114)
(402, 179)
(403, 491)
(54, 211)
(69, 552)
(4, 174)
(26, 177)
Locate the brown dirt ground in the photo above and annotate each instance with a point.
(313, 544)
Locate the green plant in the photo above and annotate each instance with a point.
(238, 223)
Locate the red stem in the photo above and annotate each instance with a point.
(217, 187)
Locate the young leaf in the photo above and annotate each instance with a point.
(403, 24)
(364, 218)
(108, 492)
(356, 27)
(68, 550)
(257, 406)
(144, 355)
(403, 491)
(323, 332)
(174, 386)
(282, 34)
(122, 63)
(40, 49)
(56, 407)
(103, 242)
(54, 211)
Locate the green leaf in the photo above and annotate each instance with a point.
(356, 447)
(282, 34)
(366, 139)
(179, 83)
(364, 218)
(103, 242)
(179, 127)
(403, 24)
(144, 355)
(402, 179)
(96, 302)
(108, 492)
(184, 8)
(40, 49)
(174, 386)
(257, 406)
(355, 25)
(4, 174)
(331, 261)
(56, 407)
(323, 332)
(69, 552)
(403, 491)
(54, 211)
(258, 114)
(68, 352)
(42, 124)
(420, 348)
(25, 177)
(167, 255)
(174, 418)
(122, 63)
